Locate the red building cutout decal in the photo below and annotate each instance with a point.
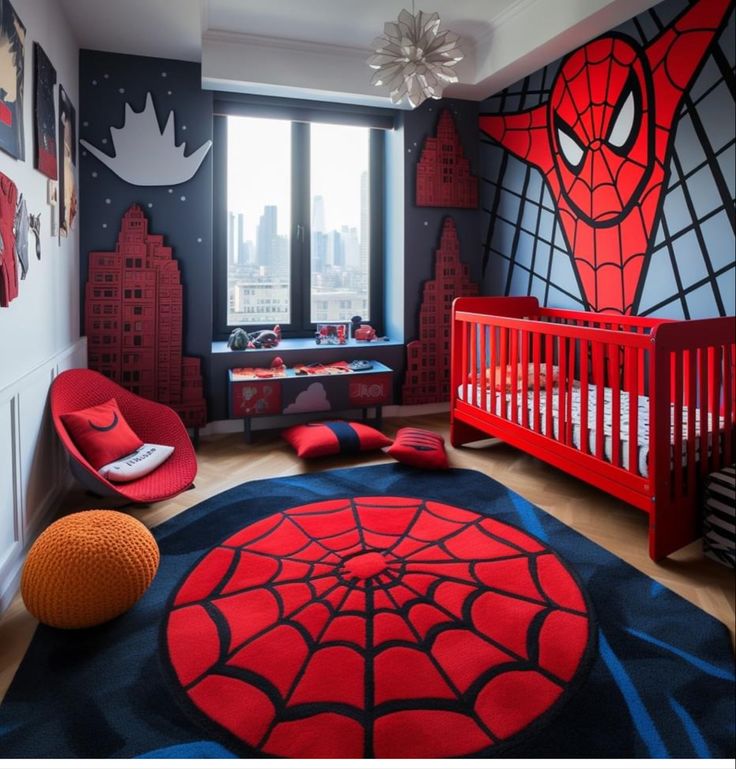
(133, 320)
(443, 171)
(428, 358)
(603, 141)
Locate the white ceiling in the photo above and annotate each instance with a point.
(317, 48)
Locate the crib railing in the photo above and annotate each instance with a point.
(694, 403)
(549, 380)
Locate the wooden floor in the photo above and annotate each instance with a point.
(225, 461)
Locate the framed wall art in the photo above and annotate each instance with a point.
(12, 48)
(45, 159)
(67, 141)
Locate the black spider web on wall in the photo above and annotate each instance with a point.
(691, 270)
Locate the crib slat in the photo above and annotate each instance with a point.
(536, 346)
(525, 378)
(561, 390)
(514, 373)
(584, 353)
(570, 391)
(474, 364)
(615, 381)
(493, 349)
(727, 405)
(714, 404)
(503, 374)
(599, 377)
(677, 463)
(483, 364)
(634, 413)
(464, 360)
(691, 367)
(703, 400)
(548, 356)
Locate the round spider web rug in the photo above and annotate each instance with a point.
(378, 627)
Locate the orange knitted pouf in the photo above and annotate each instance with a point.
(87, 568)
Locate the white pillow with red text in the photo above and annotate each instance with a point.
(141, 462)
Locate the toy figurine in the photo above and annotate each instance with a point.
(364, 333)
(240, 339)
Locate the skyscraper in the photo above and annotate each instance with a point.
(240, 253)
(232, 240)
(266, 236)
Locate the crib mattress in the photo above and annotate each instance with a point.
(504, 406)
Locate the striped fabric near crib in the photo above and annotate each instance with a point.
(719, 525)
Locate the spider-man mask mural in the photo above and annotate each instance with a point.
(602, 142)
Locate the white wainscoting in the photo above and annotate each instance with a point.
(33, 467)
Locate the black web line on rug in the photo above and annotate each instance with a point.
(526, 663)
(467, 705)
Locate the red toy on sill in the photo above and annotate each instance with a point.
(364, 333)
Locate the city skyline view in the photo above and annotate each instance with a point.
(259, 222)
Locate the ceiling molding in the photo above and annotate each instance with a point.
(297, 46)
(503, 18)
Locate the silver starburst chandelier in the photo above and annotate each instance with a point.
(413, 58)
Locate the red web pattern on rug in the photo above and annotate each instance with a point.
(378, 626)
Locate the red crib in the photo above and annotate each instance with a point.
(642, 408)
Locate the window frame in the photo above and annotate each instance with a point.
(300, 115)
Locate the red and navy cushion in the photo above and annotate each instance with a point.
(101, 433)
(320, 439)
(419, 448)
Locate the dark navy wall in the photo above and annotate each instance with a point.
(690, 267)
(182, 213)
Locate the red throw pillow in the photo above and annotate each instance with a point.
(419, 448)
(101, 433)
(320, 439)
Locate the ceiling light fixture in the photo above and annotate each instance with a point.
(413, 58)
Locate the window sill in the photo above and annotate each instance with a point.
(221, 348)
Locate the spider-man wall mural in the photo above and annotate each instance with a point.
(603, 142)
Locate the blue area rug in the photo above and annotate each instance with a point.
(649, 674)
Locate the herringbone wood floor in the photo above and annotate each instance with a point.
(225, 461)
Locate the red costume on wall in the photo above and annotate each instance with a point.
(603, 140)
(8, 265)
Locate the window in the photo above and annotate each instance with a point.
(298, 209)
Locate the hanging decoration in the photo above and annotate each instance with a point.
(414, 59)
(22, 227)
(35, 227)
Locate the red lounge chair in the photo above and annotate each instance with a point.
(153, 423)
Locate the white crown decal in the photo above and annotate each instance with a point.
(144, 154)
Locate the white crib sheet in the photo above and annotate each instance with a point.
(503, 409)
